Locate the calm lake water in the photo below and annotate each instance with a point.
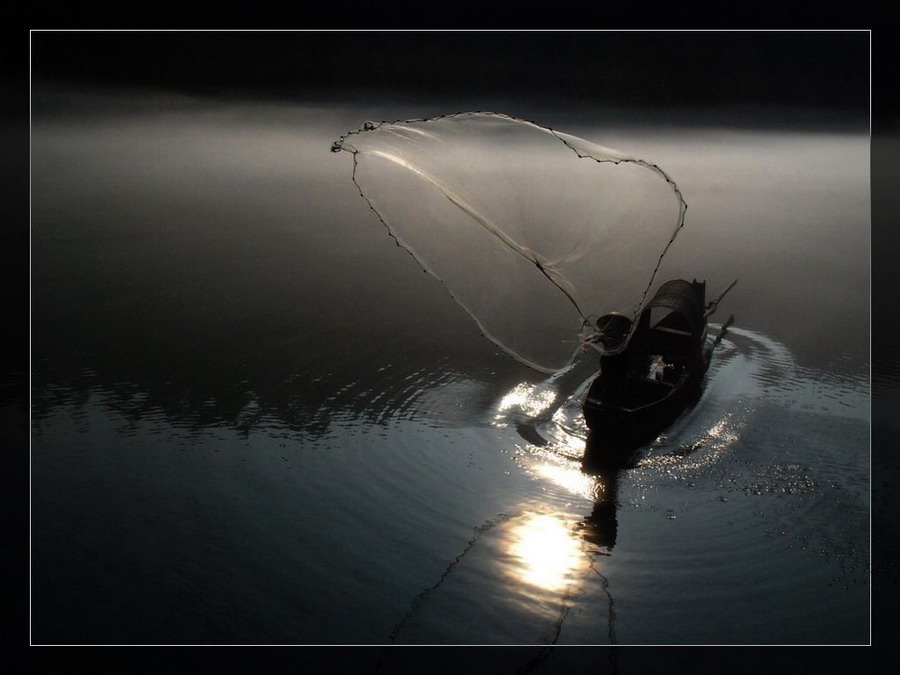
(256, 421)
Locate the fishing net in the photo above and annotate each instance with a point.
(533, 231)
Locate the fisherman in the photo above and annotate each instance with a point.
(615, 368)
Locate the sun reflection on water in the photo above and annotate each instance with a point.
(547, 551)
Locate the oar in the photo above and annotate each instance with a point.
(714, 305)
(722, 331)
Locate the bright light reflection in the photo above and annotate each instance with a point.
(714, 443)
(548, 553)
(528, 398)
(717, 439)
(571, 480)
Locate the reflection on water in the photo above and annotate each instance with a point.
(531, 399)
(713, 441)
(579, 479)
(566, 476)
(546, 553)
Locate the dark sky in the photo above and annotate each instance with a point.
(688, 68)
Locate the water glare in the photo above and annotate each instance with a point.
(547, 553)
(530, 399)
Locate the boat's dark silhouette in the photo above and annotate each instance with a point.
(644, 388)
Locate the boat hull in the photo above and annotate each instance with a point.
(616, 435)
(629, 405)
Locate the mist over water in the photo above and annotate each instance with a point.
(257, 421)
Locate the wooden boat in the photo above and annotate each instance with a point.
(643, 389)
